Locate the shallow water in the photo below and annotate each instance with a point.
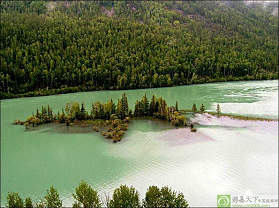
(224, 156)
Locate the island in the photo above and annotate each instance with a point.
(108, 118)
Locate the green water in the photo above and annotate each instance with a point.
(31, 161)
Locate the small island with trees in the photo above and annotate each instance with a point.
(112, 119)
(109, 117)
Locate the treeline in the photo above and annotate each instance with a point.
(123, 197)
(59, 47)
(114, 116)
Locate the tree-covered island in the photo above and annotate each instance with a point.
(109, 117)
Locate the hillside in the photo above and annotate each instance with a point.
(59, 47)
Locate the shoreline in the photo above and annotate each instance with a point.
(78, 89)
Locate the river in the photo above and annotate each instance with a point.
(224, 156)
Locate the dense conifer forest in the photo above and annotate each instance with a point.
(59, 47)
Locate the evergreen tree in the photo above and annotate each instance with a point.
(194, 108)
(176, 106)
(152, 108)
(49, 113)
(202, 108)
(37, 113)
(113, 107)
(62, 117)
(119, 108)
(44, 113)
(122, 107)
(218, 110)
(82, 112)
(101, 112)
(145, 104)
(137, 109)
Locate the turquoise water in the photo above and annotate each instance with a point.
(227, 157)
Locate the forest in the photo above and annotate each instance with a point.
(61, 47)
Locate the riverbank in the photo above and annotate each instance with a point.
(66, 90)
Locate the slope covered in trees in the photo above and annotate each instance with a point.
(58, 47)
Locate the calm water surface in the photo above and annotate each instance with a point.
(224, 156)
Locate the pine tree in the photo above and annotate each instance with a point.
(152, 105)
(145, 104)
(58, 115)
(110, 108)
(62, 117)
(202, 108)
(136, 111)
(162, 108)
(218, 110)
(44, 112)
(119, 108)
(49, 112)
(101, 112)
(113, 107)
(37, 113)
(123, 108)
(125, 104)
(194, 108)
(82, 112)
(176, 106)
